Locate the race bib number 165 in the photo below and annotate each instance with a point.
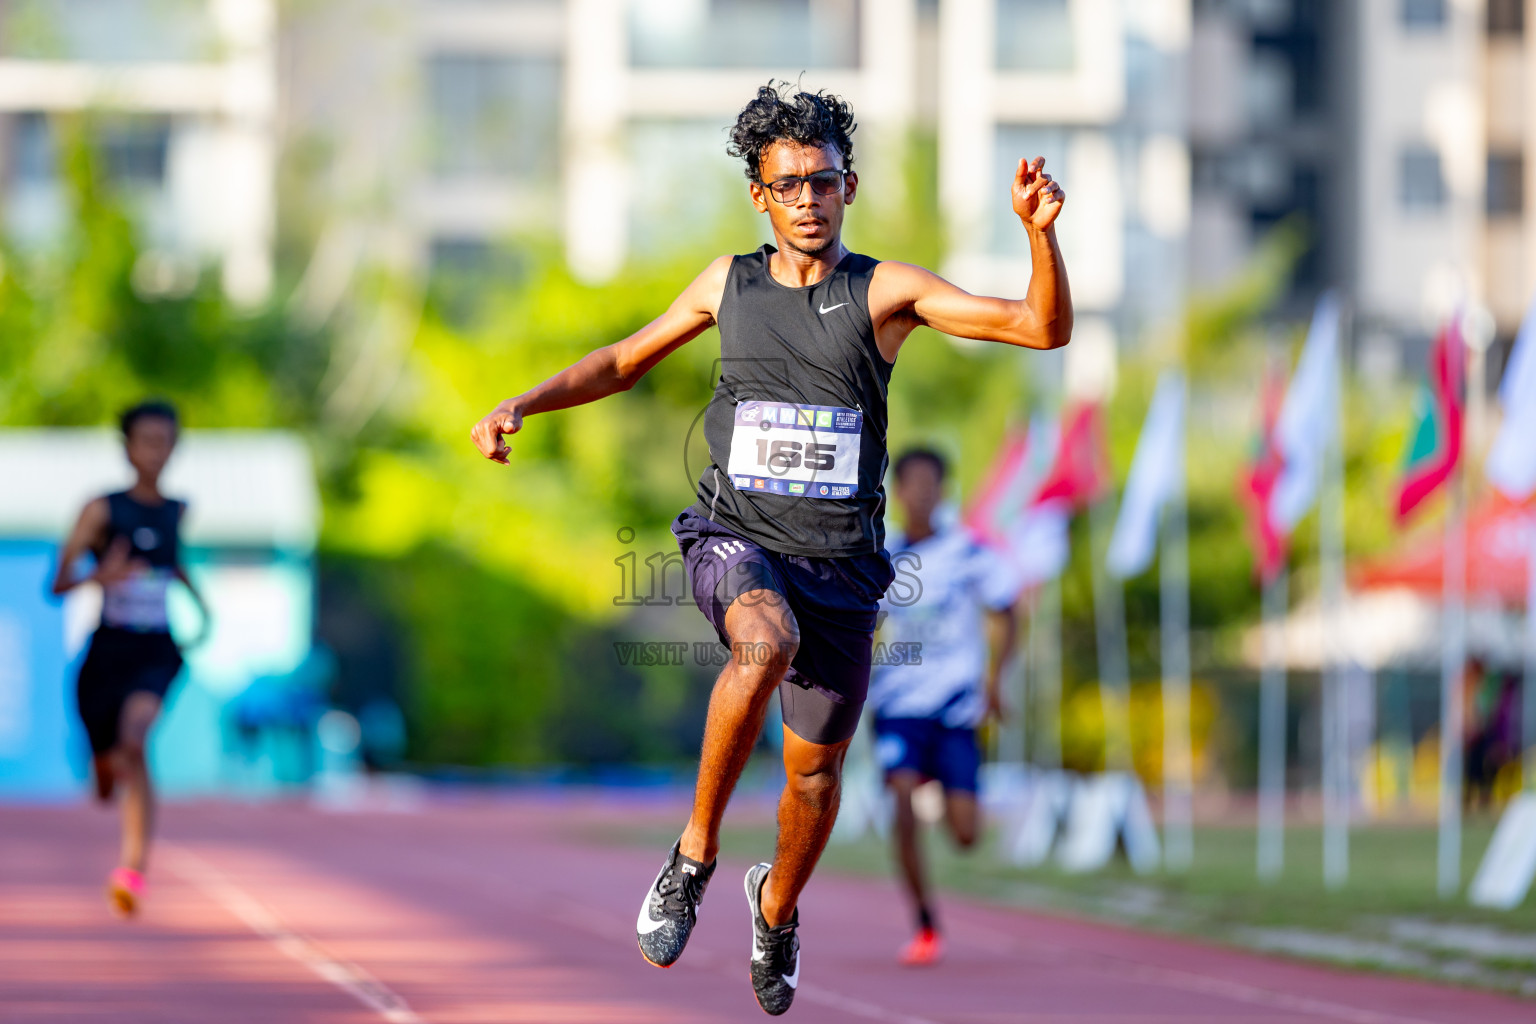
(805, 451)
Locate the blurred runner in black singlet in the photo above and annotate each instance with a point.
(135, 538)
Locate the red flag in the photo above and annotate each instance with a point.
(986, 518)
(1435, 447)
(1257, 485)
(1080, 472)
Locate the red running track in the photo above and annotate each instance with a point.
(509, 911)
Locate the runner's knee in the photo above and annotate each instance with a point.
(963, 823)
(814, 771)
(764, 634)
(817, 787)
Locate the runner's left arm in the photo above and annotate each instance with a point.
(613, 368)
(1003, 633)
(180, 573)
(903, 296)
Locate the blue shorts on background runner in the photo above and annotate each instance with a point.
(931, 749)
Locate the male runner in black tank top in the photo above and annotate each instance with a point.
(135, 536)
(785, 544)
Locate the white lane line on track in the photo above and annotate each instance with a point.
(1204, 984)
(598, 923)
(350, 978)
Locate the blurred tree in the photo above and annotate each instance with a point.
(501, 587)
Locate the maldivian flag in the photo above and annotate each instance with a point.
(1008, 486)
(1035, 485)
(1039, 541)
(1257, 485)
(1080, 473)
(1005, 515)
(1434, 447)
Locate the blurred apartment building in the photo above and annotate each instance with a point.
(185, 93)
(434, 132)
(442, 134)
(602, 123)
(1401, 131)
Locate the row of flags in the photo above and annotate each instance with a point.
(1049, 471)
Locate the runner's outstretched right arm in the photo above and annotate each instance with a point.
(87, 530)
(612, 368)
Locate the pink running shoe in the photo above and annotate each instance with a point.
(125, 888)
(923, 951)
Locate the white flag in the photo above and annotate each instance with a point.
(1308, 417)
(1512, 461)
(1039, 543)
(1157, 474)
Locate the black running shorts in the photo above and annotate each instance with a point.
(834, 601)
(121, 662)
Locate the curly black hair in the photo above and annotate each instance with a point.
(153, 409)
(777, 115)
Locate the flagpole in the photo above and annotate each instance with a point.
(1331, 571)
(1511, 467)
(1271, 852)
(1528, 684)
(1178, 752)
(1015, 687)
(1045, 639)
(1109, 633)
(1452, 664)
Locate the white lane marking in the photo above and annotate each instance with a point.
(350, 978)
(1189, 981)
(857, 1007)
(1240, 992)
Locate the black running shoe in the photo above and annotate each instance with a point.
(775, 951)
(671, 908)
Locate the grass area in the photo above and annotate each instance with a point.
(1386, 916)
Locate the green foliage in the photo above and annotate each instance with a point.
(83, 331)
(502, 580)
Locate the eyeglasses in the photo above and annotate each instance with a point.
(823, 183)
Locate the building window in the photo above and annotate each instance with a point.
(783, 35)
(1034, 35)
(1506, 184)
(1506, 18)
(465, 271)
(1423, 13)
(32, 149)
(703, 206)
(494, 115)
(1421, 186)
(133, 150)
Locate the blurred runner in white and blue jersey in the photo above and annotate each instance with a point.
(955, 624)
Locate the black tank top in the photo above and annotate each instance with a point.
(152, 532)
(796, 426)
